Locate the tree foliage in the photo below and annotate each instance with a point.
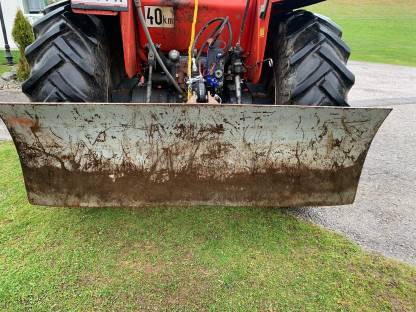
(23, 36)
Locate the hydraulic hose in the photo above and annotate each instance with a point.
(215, 34)
(190, 49)
(153, 47)
(243, 22)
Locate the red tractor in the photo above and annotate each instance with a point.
(259, 52)
(239, 75)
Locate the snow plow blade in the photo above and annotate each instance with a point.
(129, 155)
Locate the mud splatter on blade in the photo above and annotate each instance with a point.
(129, 155)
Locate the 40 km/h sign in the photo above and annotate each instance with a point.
(159, 16)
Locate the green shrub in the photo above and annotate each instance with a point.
(23, 36)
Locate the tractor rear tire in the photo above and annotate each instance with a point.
(310, 62)
(69, 59)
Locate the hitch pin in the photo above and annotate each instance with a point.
(269, 62)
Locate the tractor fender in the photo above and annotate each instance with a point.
(265, 11)
(129, 32)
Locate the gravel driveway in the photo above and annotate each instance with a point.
(383, 218)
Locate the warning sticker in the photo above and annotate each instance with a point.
(156, 16)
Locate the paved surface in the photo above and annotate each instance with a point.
(383, 218)
(9, 96)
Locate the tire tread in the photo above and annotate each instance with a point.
(68, 63)
(310, 59)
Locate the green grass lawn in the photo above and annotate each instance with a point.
(382, 31)
(201, 258)
(4, 67)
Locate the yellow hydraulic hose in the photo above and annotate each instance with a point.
(190, 52)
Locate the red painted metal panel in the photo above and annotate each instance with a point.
(130, 41)
(178, 37)
(258, 42)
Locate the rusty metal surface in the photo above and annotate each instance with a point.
(120, 155)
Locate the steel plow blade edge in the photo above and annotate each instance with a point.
(129, 155)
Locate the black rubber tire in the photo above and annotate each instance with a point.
(310, 61)
(69, 59)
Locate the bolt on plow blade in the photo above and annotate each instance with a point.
(128, 155)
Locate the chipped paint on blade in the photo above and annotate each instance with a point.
(119, 155)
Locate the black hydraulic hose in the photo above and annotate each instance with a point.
(243, 22)
(215, 34)
(218, 31)
(202, 30)
(153, 47)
